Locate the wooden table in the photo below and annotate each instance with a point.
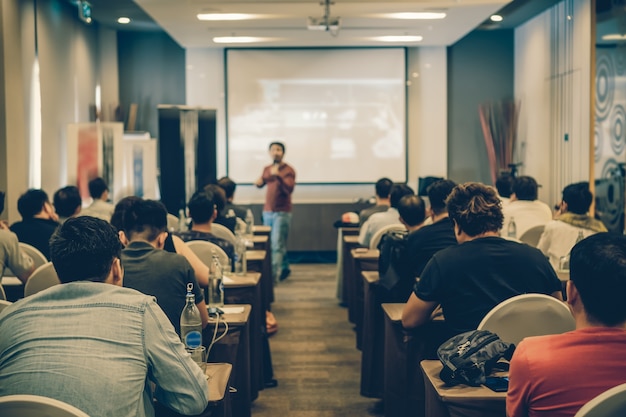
(260, 261)
(341, 232)
(363, 260)
(460, 400)
(349, 242)
(261, 229)
(262, 243)
(372, 347)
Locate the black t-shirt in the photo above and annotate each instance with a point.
(470, 279)
(36, 232)
(422, 244)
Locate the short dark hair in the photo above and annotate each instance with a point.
(146, 219)
(525, 188)
(412, 209)
(475, 208)
(117, 218)
(282, 145)
(397, 192)
(219, 196)
(383, 187)
(97, 187)
(201, 206)
(598, 269)
(229, 186)
(67, 200)
(83, 249)
(578, 197)
(504, 184)
(31, 203)
(437, 194)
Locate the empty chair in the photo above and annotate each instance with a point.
(223, 232)
(204, 250)
(375, 240)
(35, 406)
(528, 315)
(44, 277)
(4, 304)
(608, 404)
(532, 235)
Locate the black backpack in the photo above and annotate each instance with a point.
(392, 265)
(469, 357)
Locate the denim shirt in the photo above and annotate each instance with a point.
(97, 346)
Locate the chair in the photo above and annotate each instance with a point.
(223, 232)
(172, 223)
(4, 304)
(35, 406)
(44, 277)
(3, 295)
(528, 315)
(204, 250)
(608, 404)
(375, 240)
(34, 253)
(532, 235)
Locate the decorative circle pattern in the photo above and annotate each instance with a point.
(609, 195)
(605, 86)
(598, 142)
(620, 59)
(618, 129)
(610, 168)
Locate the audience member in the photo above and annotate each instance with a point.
(382, 189)
(471, 278)
(504, 185)
(524, 207)
(379, 220)
(100, 207)
(556, 375)
(91, 343)
(229, 186)
(202, 210)
(10, 254)
(67, 202)
(154, 271)
(219, 199)
(39, 220)
(560, 235)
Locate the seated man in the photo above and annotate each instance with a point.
(203, 211)
(219, 199)
(100, 207)
(91, 343)
(504, 185)
(561, 234)
(10, 254)
(39, 220)
(471, 278)
(153, 271)
(229, 186)
(379, 220)
(556, 375)
(524, 207)
(383, 189)
(67, 202)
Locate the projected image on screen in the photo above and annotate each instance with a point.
(340, 113)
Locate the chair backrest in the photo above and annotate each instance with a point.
(35, 405)
(532, 235)
(4, 304)
(36, 255)
(204, 249)
(223, 232)
(375, 240)
(44, 277)
(3, 295)
(172, 223)
(528, 315)
(608, 404)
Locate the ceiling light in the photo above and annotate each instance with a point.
(496, 18)
(404, 38)
(226, 16)
(416, 15)
(123, 20)
(613, 37)
(239, 39)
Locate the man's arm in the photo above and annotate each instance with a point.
(417, 311)
(20, 263)
(180, 383)
(287, 180)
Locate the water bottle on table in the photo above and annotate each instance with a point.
(190, 322)
(215, 290)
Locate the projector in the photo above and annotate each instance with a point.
(323, 23)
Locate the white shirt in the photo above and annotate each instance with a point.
(527, 214)
(376, 222)
(100, 209)
(558, 239)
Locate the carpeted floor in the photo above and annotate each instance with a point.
(315, 359)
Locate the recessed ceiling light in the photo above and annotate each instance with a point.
(404, 38)
(613, 37)
(226, 16)
(239, 39)
(416, 15)
(496, 18)
(123, 20)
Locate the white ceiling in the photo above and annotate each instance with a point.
(286, 21)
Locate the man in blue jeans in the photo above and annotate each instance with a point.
(280, 179)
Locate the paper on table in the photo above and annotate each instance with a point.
(232, 310)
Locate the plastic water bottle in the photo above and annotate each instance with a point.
(564, 261)
(511, 229)
(190, 322)
(215, 291)
(249, 223)
(241, 262)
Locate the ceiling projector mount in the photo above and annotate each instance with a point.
(326, 23)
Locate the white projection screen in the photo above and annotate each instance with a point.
(339, 112)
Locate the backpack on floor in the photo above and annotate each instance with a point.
(392, 265)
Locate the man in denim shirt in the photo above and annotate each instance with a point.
(93, 345)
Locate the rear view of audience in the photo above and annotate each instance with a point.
(524, 207)
(67, 202)
(100, 207)
(555, 375)
(39, 220)
(504, 185)
(10, 254)
(382, 190)
(229, 186)
(379, 220)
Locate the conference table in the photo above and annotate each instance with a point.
(342, 293)
(363, 259)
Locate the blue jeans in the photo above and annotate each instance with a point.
(279, 221)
